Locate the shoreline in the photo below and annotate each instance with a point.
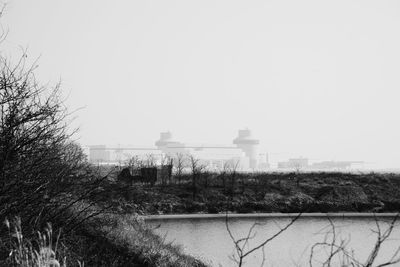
(266, 215)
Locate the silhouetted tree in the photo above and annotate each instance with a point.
(179, 166)
(232, 168)
(165, 169)
(196, 167)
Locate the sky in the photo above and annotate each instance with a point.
(312, 78)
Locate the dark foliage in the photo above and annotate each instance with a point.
(43, 174)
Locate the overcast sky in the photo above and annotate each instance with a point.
(319, 79)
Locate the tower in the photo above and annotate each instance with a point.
(167, 145)
(165, 139)
(248, 145)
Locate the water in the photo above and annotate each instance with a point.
(208, 238)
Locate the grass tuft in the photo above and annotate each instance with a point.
(40, 251)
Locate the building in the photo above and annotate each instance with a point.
(246, 142)
(263, 162)
(243, 152)
(212, 156)
(294, 164)
(168, 146)
(334, 165)
(99, 153)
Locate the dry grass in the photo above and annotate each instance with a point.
(39, 252)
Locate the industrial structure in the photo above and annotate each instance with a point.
(243, 151)
(246, 142)
(215, 156)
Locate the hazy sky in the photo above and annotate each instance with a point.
(314, 78)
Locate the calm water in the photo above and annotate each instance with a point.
(208, 239)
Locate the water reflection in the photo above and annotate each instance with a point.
(209, 240)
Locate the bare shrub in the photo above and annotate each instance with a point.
(41, 169)
(179, 166)
(197, 168)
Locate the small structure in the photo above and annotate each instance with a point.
(149, 175)
(125, 177)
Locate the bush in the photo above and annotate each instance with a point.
(41, 169)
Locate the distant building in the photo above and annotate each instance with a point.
(303, 164)
(263, 162)
(244, 153)
(294, 164)
(99, 153)
(249, 145)
(212, 156)
(168, 146)
(333, 165)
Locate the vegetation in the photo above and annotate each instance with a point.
(46, 179)
(24, 253)
(262, 192)
(59, 210)
(297, 192)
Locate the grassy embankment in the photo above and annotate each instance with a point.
(264, 192)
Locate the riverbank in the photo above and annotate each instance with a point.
(266, 215)
(121, 236)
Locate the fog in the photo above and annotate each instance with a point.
(309, 78)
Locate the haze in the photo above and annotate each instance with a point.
(310, 78)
